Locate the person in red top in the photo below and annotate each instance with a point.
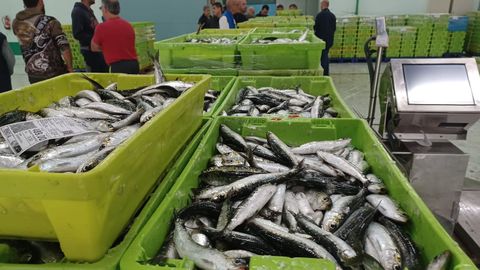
(116, 39)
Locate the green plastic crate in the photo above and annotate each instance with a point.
(281, 30)
(283, 72)
(213, 72)
(281, 56)
(86, 212)
(314, 85)
(425, 230)
(252, 24)
(289, 12)
(240, 32)
(176, 53)
(111, 261)
(222, 84)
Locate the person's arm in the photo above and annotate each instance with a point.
(67, 57)
(95, 47)
(9, 56)
(96, 43)
(62, 43)
(223, 23)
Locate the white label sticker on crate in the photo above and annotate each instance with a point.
(25, 135)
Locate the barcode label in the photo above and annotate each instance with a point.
(22, 136)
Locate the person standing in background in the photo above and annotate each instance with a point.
(240, 15)
(292, 7)
(205, 18)
(280, 7)
(250, 13)
(217, 13)
(116, 39)
(264, 11)
(325, 26)
(42, 41)
(7, 62)
(83, 27)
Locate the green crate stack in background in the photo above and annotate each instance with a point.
(424, 24)
(336, 50)
(144, 39)
(77, 57)
(396, 20)
(456, 41)
(366, 28)
(473, 36)
(409, 37)
(395, 41)
(439, 43)
(457, 32)
(350, 31)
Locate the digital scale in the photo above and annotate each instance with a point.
(424, 104)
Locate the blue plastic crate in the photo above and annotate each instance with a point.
(457, 23)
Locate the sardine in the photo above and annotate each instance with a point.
(387, 207)
(381, 246)
(204, 258)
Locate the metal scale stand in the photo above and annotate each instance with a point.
(424, 104)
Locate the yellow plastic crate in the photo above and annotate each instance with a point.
(86, 212)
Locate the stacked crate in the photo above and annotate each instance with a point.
(396, 20)
(350, 31)
(424, 25)
(77, 58)
(409, 37)
(457, 32)
(144, 40)
(336, 50)
(366, 29)
(439, 43)
(395, 41)
(472, 44)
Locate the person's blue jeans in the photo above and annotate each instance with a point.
(325, 62)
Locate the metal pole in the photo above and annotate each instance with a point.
(356, 6)
(376, 86)
(450, 8)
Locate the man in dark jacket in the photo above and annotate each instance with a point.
(203, 20)
(264, 11)
(7, 61)
(83, 27)
(240, 15)
(217, 13)
(325, 26)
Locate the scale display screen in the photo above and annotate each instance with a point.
(437, 84)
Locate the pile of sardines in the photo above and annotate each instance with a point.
(281, 40)
(275, 40)
(263, 197)
(263, 101)
(212, 40)
(210, 98)
(112, 116)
